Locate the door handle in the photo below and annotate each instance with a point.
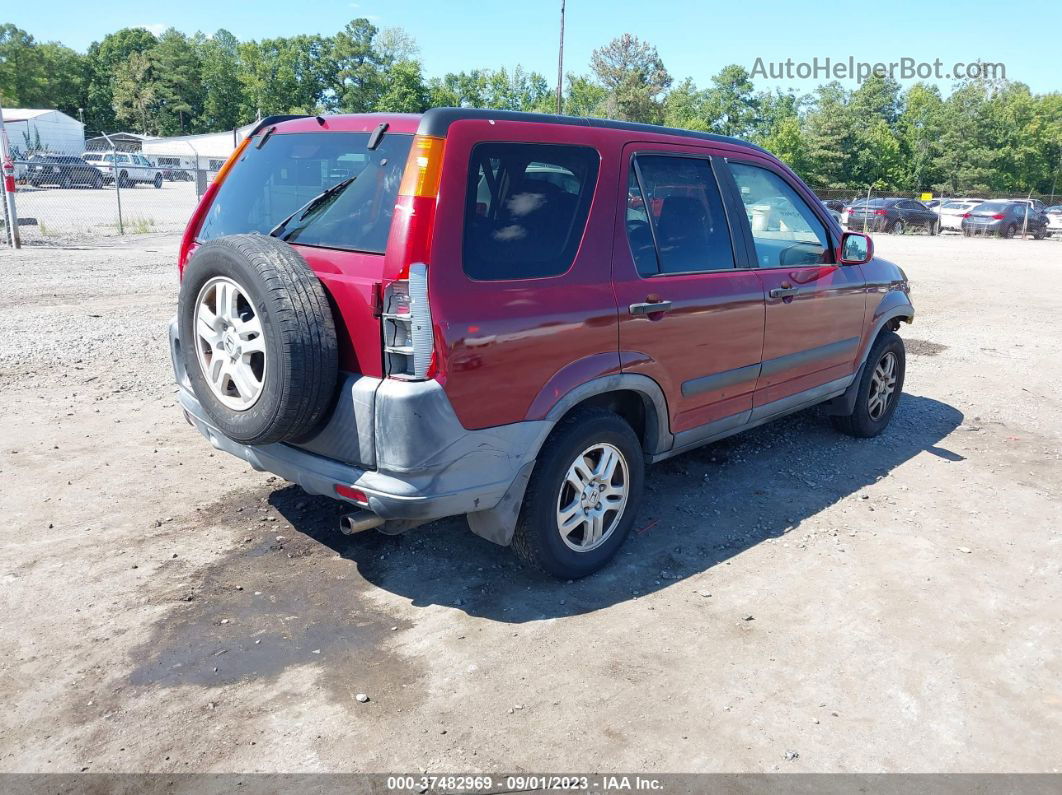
(783, 292)
(650, 308)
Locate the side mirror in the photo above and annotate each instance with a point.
(856, 248)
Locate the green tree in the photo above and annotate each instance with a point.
(730, 104)
(223, 96)
(104, 59)
(634, 76)
(829, 136)
(787, 142)
(405, 91)
(180, 82)
(585, 97)
(136, 90)
(685, 106)
(22, 69)
(358, 80)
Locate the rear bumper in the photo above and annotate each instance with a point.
(427, 465)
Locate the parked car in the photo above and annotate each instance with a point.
(1035, 204)
(66, 171)
(952, 211)
(1054, 219)
(507, 315)
(834, 207)
(130, 168)
(895, 215)
(932, 204)
(1003, 218)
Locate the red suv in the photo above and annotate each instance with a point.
(507, 315)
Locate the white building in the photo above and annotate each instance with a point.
(182, 151)
(30, 130)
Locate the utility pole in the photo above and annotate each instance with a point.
(560, 66)
(9, 186)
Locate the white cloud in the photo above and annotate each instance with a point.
(158, 28)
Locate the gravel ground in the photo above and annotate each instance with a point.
(84, 215)
(793, 600)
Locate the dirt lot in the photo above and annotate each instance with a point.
(83, 215)
(883, 605)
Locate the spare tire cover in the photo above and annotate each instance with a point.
(258, 339)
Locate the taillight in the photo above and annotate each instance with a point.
(411, 233)
(408, 338)
(965, 215)
(880, 212)
(998, 217)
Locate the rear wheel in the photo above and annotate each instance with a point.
(934, 227)
(898, 227)
(879, 388)
(583, 495)
(123, 180)
(1008, 231)
(158, 181)
(97, 181)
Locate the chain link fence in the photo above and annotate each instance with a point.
(64, 200)
(77, 200)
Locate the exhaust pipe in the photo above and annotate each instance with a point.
(358, 521)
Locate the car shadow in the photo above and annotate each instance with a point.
(700, 509)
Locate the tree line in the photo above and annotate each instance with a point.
(985, 135)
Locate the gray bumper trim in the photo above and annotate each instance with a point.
(454, 490)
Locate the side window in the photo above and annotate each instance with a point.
(785, 230)
(526, 208)
(674, 202)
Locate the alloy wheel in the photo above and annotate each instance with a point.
(230, 343)
(593, 497)
(882, 386)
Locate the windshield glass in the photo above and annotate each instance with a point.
(269, 184)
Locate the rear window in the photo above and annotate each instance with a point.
(270, 183)
(526, 208)
(993, 207)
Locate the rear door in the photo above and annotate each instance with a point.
(814, 307)
(675, 249)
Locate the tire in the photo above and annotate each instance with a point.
(897, 227)
(124, 181)
(863, 422)
(97, 181)
(281, 391)
(933, 228)
(538, 540)
(66, 182)
(158, 181)
(1008, 232)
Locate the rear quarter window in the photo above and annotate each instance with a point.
(526, 208)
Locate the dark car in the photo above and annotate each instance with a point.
(894, 215)
(601, 295)
(66, 171)
(1004, 219)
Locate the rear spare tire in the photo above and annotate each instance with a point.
(258, 339)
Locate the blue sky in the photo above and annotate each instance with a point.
(694, 39)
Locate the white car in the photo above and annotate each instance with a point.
(952, 211)
(131, 168)
(1054, 220)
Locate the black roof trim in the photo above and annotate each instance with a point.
(437, 121)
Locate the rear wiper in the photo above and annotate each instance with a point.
(312, 204)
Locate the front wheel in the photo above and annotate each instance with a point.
(879, 389)
(583, 495)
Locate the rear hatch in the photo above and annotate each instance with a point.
(866, 211)
(331, 192)
(343, 237)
